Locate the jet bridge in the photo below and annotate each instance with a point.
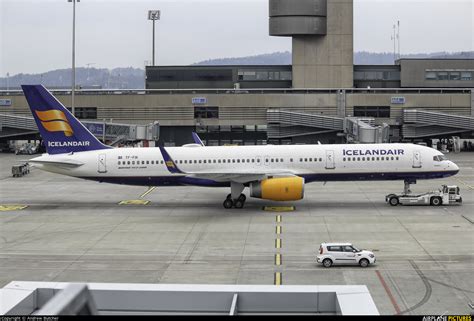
(55, 298)
(15, 126)
(421, 124)
(287, 124)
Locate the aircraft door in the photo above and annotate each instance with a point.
(416, 159)
(102, 164)
(330, 161)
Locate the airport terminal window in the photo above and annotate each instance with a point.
(206, 112)
(452, 75)
(455, 75)
(466, 75)
(376, 112)
(443, 75)
(85, 112)
(430, 75)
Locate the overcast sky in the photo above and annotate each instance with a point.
(35, 35)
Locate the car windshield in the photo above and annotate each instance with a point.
(440, 158)
(356, 249)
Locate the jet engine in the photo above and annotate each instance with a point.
(278, 189)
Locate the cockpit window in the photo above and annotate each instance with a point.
(440, 158)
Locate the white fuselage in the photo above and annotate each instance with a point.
(146, 166)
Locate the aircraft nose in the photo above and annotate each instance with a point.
(454, 167)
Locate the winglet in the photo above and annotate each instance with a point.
(170, 164)
(197, 140)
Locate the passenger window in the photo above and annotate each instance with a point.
(358, 159)
(199, 161)
(281, 160)
(301, 160)
(160, 162)
(258, 160)
(393, 158)
(233, 161)
(363, 159)
(334, 249)
(276, 160)
(205, 161)
(128, 162)
(310, 159)
(253, 160)
(119, 163)
(378, 158)
(291, 160)
(320, 159)
(373, 158)
(348, 159)
(238, 161)
(348, 249)
(398, 158)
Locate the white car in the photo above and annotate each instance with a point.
(344, 253)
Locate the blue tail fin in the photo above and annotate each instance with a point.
(61, 131)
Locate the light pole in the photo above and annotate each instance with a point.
(73, 53)
(154, 15)
(8, 81)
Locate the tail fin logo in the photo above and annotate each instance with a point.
(55, 121)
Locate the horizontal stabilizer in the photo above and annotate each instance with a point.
(63, 163)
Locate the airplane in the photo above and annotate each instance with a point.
(276, 173)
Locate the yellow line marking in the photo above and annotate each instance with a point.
(278, 259)
(278, 243)
(278, 230)
(8, 208)
(278, 218)
(278, 278)
(279, 208)
(151, 189)
(134, 202)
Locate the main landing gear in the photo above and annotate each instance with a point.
(238, 203)
(235, 198)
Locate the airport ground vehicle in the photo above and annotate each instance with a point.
(343, 253)
(27, 149)
(20, 169)
(445, 196)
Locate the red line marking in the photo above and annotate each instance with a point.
(389, 293)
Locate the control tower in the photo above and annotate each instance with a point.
(322, 32)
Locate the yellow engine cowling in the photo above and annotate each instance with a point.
(279, 189)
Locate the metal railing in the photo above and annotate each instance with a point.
(18, 92)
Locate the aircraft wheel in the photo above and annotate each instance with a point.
(228, 203)
(239, 204)
(229, 197)
(394, 201)
(242, 198)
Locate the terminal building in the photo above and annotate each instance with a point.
(321, 97)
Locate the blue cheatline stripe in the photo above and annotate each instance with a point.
(180, 180)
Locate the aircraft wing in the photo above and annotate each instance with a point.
(237, 176)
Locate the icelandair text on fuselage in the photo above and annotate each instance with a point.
(373, 152)
(68, 144)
